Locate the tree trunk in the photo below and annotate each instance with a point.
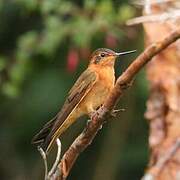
(163, 105)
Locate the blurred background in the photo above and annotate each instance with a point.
(44, 47)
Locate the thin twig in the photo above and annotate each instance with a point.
(43, 155)
(153, 2)
(58, 158)
(49, 175)
(175, 14)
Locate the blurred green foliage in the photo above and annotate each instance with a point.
(44, 46)
(47, 26)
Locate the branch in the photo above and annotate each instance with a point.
(97, 120)
(57, 161)
(154, 18)
(43, 154)
(50, 175)
(152, 2)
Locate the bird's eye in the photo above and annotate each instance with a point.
(103, 54)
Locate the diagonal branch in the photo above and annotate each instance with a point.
(97, 120)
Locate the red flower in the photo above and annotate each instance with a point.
(72, 60)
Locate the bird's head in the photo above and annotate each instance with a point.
(106, 57)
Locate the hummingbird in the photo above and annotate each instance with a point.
(87, 94)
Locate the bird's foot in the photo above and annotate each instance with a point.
(92, 114)
(115, 112)
(126, 85)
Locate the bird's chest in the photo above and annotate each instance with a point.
(101, 89)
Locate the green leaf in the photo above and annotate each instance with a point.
(125, 12)
(28, 4)
(28, 42)
(49, 5)
(2, 63)
(10, 90)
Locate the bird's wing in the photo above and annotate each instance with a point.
(80, 89)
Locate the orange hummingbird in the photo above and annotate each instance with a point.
(88, 93)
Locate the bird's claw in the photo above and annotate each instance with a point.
(92, 114)
(115, 112)
(126, 85)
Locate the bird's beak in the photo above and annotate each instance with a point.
(124, 53)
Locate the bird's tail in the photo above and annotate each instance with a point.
(47, 136)
(40, 138)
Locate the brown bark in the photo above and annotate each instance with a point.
(163, 105)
